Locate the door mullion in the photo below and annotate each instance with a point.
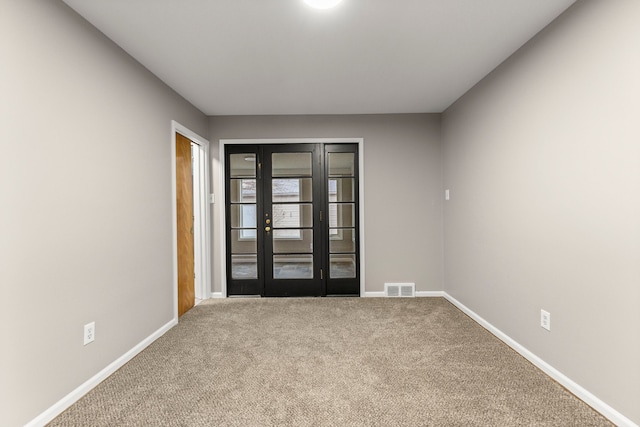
(320, 255)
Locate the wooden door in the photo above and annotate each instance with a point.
(184, 204)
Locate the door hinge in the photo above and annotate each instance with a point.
(321, 274)
(321, 218)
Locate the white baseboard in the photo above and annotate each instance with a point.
(430, 294)
(607, 411)
(373, 294)
(217, 295)
(84, 388)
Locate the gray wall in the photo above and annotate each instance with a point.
(403, 187)
(543, 162)
(85, 187)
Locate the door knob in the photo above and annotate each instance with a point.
(268, 221)
(267, 229)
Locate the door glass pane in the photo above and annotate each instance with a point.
(292, 241)
(342, 266)
(243, 190)
(292, 216)
(242, 165)
(243, 216)
(341, 189)
(293, 266)
(244, 266)
(342, 240)
(292, 190)
(341, 215)
(243, 242)
(341, 164)
(291, 164)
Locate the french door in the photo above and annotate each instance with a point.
(291, 219)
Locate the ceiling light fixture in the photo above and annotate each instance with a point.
(322, 4)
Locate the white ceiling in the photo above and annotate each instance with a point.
(238, 57)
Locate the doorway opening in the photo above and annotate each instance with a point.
(293, 218)
(191, 218)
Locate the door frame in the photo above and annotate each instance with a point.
(223, 201)
(202, 215)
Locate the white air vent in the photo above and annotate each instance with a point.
(403, 290)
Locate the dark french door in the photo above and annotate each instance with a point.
(292, 219)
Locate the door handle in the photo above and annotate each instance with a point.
(267, 229)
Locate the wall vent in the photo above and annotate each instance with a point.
(400, 290)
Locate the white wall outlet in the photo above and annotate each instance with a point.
(89, 332)
(446, 194)
(545, 320)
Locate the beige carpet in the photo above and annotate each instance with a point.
(328, 362)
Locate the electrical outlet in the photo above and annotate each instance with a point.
(89, 332)
(545, 320)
